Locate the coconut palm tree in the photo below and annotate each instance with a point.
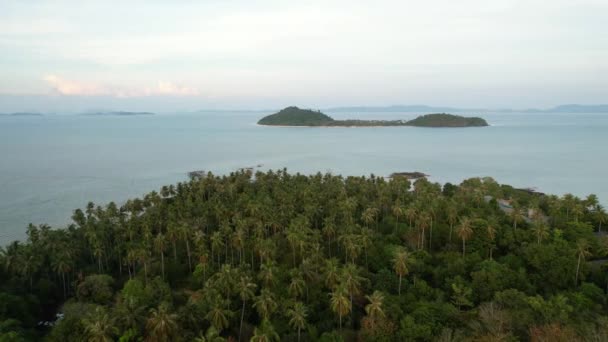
(100, 327)
(160, 244)
(582, 252)
(267, 274)
(369, 216)
(329, 232)
(397, 210)
(161, 325)
(265, 304)
(411, 213)
(541, 231)
(265, 332)
(464, 231)
(297, 317)
(374, 308)
(491, 231)
(351, 280)
(219, 313)
(211, 335)
(516, 214)
(246, 289)
(401, 264)
(332, 273)
(452, 216)
(600, 216)
(297, 286)
(339, 303)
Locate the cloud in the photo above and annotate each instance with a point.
(77, 88)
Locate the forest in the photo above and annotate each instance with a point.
(276, 256)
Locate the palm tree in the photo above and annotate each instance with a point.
(601, 217)
(351, 280)
(159, 243)
(452, 216)
(464, 231)
(582, 251)
(541, 231)
(184, 232)
(297, 317)
(267, 274)
(578, 211)
(516, 214)
(218, 314)
(264, 333)
(246, 289)
(491, 231)
(369, 215)
(411, 213)
(329, 231)
(100, 327)
(340, 303)
(173, 234)
(212, 335)
(366, 241)
(297, 286)
(397, 212)
(161, 325)
(265, 304)
(332, 273)
(374, 308)
(401, 264)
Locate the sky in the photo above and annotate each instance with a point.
(189, 55)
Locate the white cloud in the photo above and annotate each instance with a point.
(78, 88)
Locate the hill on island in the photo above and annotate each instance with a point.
(446, 120)
(294, 116)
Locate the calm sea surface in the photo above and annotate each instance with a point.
(53, 164)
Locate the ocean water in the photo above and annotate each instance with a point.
(51, 165)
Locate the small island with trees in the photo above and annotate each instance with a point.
(294, 116)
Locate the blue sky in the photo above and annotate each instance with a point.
(187, 55)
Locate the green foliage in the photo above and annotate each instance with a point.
(446, 120)
(294, 116)
(96, 288)
(279, 256)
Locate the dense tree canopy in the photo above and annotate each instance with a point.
(278, 256)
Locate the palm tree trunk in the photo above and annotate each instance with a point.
(145, 272)
(174, 252)
(578, 265)
(464, 246)
(242, 316)
(340, 321)
(400, 277)
(298, 334)
(451, 229)
(189, 255)
(162, 263)
(431, 236)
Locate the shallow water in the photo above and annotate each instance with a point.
(53, 164)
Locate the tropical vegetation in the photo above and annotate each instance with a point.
(277, 256)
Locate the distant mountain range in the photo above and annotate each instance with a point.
(568, 108)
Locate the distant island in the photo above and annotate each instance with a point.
(22, 114)
(294, 116)
(120, 113)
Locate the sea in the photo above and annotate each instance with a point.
(53, 164)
